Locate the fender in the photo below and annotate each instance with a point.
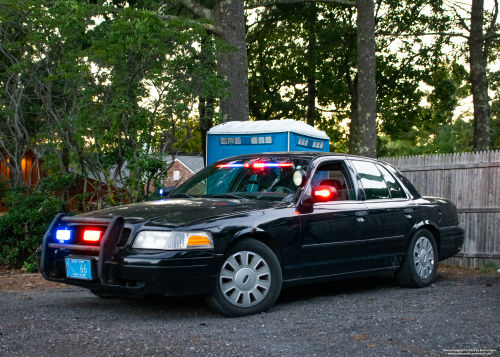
(263, 236)
(249, 231)
(419, 225)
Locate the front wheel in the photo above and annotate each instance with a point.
(249, 280)
(420, 263)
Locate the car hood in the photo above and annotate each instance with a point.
(182, 211)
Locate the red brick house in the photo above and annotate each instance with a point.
(183, 168)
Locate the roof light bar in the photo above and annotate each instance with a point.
(229, 166)
(259, 165)
(256, 165)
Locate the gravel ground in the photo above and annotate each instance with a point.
(362, 317)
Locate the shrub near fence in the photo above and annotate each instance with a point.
(472, 182)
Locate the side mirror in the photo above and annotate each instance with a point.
(323, 193)
(165, 191)
(299, 178)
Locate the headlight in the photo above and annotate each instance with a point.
(173, 240)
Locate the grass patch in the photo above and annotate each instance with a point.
(489, 268)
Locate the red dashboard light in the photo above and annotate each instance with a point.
(91, 236)
(323, 193)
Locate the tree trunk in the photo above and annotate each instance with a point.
(206, 109)
(367, 89)
(478, 79)
(229, 17)
(353, 125)
(311, 56)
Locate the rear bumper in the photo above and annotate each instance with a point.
(129, 272)
(451, 241)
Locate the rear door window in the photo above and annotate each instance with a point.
(395, 188)
(372, 180)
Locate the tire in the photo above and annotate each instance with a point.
(418, 270)
(254, 285)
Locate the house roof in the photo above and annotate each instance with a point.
(268, 126)
(193, 163)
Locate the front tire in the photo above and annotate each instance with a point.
(419, 266)
(249, 280)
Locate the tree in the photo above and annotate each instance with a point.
(478, 54)
(280, 71)
(19, 120)
(367, 86)
(111, 100)
(479, 40)
(228, 20)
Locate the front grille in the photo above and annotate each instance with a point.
(124, 238)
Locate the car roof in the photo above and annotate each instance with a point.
(309, 155)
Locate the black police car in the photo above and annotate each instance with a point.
(244, 227)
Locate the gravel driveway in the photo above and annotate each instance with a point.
(362, 317)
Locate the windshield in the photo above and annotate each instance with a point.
(256, 178)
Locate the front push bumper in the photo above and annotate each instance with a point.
(129, 272)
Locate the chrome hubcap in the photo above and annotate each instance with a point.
(245, 279)
(423, 257)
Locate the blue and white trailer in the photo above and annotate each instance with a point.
(251, 137)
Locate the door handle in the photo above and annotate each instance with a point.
(360, 215)
(408, 212)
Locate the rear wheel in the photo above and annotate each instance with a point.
(249, 281)
(420, 263)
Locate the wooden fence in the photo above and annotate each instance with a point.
(472, 182)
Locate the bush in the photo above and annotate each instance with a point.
(23, 227)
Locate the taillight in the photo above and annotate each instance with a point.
(91, 236)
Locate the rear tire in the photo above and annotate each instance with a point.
(249, 280)
(419, 266)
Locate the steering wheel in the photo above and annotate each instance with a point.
(281, 189)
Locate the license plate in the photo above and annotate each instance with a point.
(78, 269)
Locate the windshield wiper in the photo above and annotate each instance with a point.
(226, 195)
(182, 194)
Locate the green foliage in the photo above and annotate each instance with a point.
(280, 64)
(23, 227)
(447, 138)
(115, 86)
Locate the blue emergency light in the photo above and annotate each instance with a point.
(63, 235)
